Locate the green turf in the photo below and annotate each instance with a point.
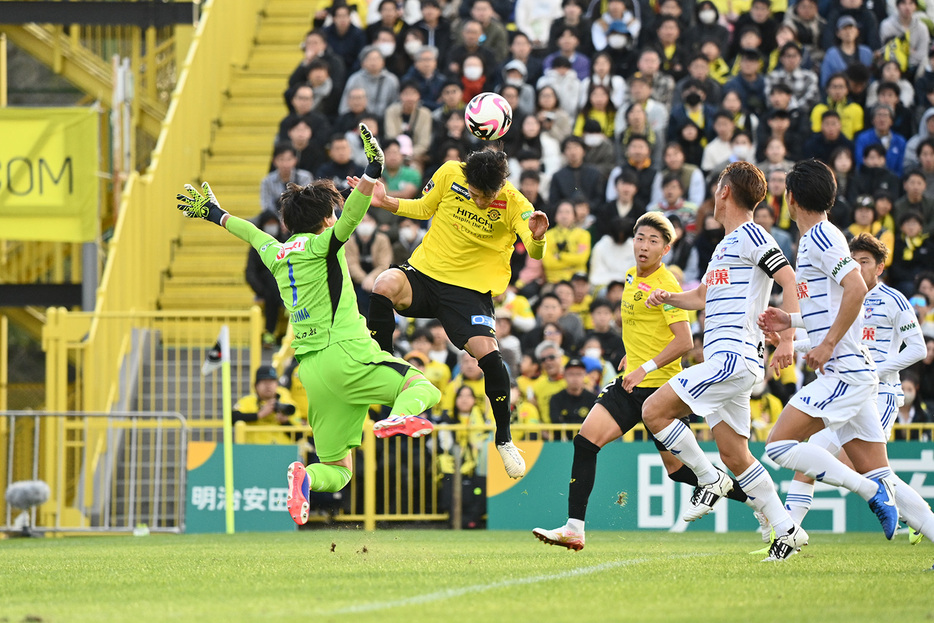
(411, 576)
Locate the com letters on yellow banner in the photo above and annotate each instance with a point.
(49, 185)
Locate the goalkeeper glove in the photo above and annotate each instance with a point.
(197, 205)
(374, 154)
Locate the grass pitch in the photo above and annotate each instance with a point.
(428, 575)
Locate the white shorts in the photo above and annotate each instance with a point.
(847, 409)
(718, 390)
(886, 405)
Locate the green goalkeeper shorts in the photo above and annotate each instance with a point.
(341, 382)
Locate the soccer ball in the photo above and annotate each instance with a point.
(488, 116)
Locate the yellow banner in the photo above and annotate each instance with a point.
(49, 185)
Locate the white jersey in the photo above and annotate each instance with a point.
(823, 261)
(739, 282)
(892, 335)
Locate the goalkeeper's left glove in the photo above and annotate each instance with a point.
(197, 205)
(374, 154)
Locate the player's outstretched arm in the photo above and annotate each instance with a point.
(364, 188)
(204, 205)
(692, 299)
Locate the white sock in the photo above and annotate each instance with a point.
(575, 525)
(680, 441)
(758, 485)
(820, 465)
(912, 507)
(798, 500)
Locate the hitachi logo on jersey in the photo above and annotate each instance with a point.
(843, 262)
(296, 245)
(802, 288)
(298, 315)
(718, 277)
(460, 190)
(908, 327)
(869, 334)
(473, 216)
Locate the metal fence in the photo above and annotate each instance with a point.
(107, 472)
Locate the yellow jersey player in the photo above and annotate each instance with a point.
(655, 339)
(462, 262)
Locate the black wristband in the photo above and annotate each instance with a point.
(374, 170)
(215, 213)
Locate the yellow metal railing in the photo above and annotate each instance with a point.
(140, 250)
(145, 361)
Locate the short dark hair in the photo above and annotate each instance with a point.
(875, 147)
(889, 86)
(283, 146)
(572, 139)
(812, 184)
(829, 113)
(871, 245)
(600, 302)
(304, 208)
(911, 215)
(530, 175)
(928, 142)
(487, 170)
(746, 181)
(672, 177)
(914, 173)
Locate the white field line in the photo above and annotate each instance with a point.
(451, 593)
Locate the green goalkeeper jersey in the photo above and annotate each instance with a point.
(313, 279)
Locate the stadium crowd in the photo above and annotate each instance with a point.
(620, 107)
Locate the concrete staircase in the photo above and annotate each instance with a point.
(207, 270)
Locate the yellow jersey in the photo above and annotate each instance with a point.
(543, 389)
(646, 329)
(466, 246)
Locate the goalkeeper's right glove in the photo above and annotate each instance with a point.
(374, 154)
(196, 205)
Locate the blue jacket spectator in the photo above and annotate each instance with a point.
(881, 134)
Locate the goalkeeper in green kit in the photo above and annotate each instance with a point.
(342, 369)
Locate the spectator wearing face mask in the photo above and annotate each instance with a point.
(410, 235)
(708, 27)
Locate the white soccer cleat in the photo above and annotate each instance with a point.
(706, 496)
(512, 460)
(765, 528)
(787, 544)
(560, 536)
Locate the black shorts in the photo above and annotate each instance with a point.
(463, 312)
(626, 408)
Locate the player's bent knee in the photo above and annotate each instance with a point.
(779, 451)
(583, 444)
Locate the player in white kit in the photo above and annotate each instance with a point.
(843, 397)
(736, 285)
(891, 333)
